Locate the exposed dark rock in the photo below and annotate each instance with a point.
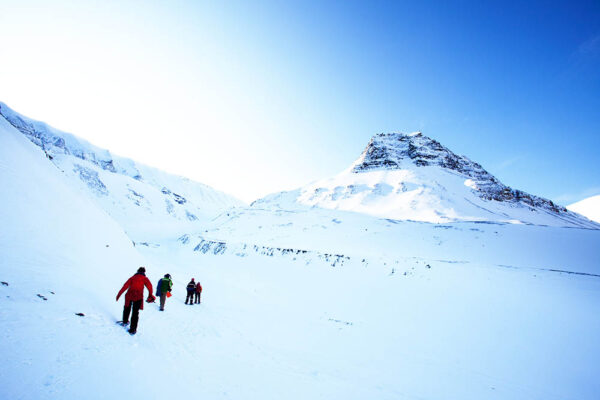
(206, 246)
(179, 199)
(51, 143)
(190, 216)
(184, 239)
(392, 150)
(91, 179)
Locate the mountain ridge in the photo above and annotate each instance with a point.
(424, 151)
(413, 177)
(131, 192)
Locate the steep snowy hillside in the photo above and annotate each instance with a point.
(303, 303)
(589, 207)
(412, 177)
(59, 255)
(147, 202)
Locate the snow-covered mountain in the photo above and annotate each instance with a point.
(413, 177)
(147, 202)
(300, 302)
(589, 207)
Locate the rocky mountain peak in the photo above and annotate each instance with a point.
(396, 151)
(390, 150)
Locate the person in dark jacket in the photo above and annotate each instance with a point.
(134, 298)
(191, 289)
(198, 292)
(165, 286)
(158, 288)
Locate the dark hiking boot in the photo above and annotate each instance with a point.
(131, 332)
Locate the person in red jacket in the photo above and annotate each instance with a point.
(198, 292)
(134, 298)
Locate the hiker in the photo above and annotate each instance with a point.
(158, 287)
(198, 292)
(163, 290)
(134, 298)
(191, 289)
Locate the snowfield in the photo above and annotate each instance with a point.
(141, 199)
(300, 301)
(590, 207)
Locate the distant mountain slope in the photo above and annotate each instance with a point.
(53, 239)
(61, 254)
(144, 200)
(413, 177)
(589, 208)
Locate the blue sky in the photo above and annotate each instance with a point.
(256, 97)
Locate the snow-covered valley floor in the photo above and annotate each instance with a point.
(271, 329)
(302, 303)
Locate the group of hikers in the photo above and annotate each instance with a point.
(134, 298)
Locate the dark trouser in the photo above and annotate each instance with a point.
(190, 297)
(197, 297)
(134, 316)
(163, 298)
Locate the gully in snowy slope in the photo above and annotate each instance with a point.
(134, 298)
(163, 290)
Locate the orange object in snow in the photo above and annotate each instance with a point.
(168, 294)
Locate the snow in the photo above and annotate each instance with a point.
(377, 240)
(413, 177)
(299, 301)
(427, 193)
(144, 200)
(589, 207)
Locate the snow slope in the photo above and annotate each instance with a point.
(298, 303)
(589, 207)
(147, 202)
(58, 255)
(413, 177)
(358, 237)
